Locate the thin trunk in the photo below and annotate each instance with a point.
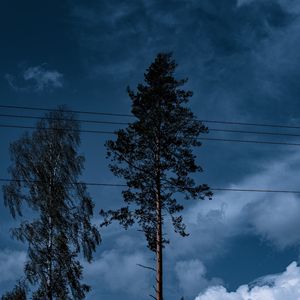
(159, 256)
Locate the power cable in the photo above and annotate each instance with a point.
(130, 115)
(74, 130)
(71, 111)
(81, 121)
(203, 138)
(124, 185)
(126, 123)
(249, 141)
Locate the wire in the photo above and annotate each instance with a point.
(86, 183)
(130, 115)
(252, 124)
(81, 121)
(255, 190)
(254, 132)
(126, 123)
(71, 111)
(250, 141)
(124, 185)
(203, 138)
(74, 130)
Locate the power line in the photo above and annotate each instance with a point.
(82, 121)
(74, 130)
(255, 132)
(255, 190)
(130, 115)
(202, 138)
(71, 111)
(250, 141)
(124, 185)
(126, 123)
(252, 124)
(76, 183)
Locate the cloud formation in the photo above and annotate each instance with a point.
(118, 271)
(43, 78)
(36, 78)
(191, 275)
(275, 287)
(212, 224)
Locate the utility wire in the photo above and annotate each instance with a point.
(130, 115)
(202, 138)
(74, 130)
(86, 183)
(124, 185)
(46, 118)
(255, 132)
(126, 123)
(249, 141)
(252, 124)
(71, 111)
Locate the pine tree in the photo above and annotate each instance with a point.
(44, 178)
(155, 156)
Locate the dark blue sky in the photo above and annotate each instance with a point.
(242, 59)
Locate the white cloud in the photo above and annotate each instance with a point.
(11, 264)
(212, 224)
(276, 287)
(191, 275)
(282, 215)
(118, 271)
(36, 78)
(43, 78)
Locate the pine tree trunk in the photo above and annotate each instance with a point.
(159, 257)
(159, 254)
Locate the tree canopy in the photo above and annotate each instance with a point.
(44, 178)
(154, 155)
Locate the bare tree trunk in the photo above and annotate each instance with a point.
(159, 254)
(159, 257)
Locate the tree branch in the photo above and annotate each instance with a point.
(146, 267)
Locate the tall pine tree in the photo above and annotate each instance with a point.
(155, 156)
(44, 178)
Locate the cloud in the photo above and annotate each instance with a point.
(275, 287)
(214, 224)
(36, 78)
(11, 264)
(43, 78)
(282, 213)
(191, 275)
(12, 83)
(118, 271)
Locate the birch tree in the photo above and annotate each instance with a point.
(44, 180)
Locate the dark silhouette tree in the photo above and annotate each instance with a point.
(155, 156)
(44, 178)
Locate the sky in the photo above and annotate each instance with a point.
(242, 60)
